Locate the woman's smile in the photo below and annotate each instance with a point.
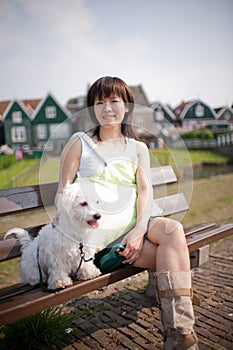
(109, 118)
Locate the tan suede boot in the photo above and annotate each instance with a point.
(174, 295)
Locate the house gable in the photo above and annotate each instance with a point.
(49, 111)
(51, 125)
(197, 110)
(162, 113)
(17, 124)
(224, 113)
(140, 97)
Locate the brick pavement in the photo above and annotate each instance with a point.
(122, 317)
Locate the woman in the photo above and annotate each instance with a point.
(112, 155)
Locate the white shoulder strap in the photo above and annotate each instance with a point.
(93, 146)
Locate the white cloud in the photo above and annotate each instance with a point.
(54, 45)
(61, 46)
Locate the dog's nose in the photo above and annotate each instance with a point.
(97, 216)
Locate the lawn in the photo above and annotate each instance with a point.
(15, 169)
(184, 157)
(48, 168)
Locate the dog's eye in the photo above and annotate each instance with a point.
(83, 204)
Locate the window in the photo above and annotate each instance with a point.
(227, 115)
(16, 117)
(199, 111)
(50, 112)
(18, 134)
(159, 114)
(59, 131)
(41, 131)
(80, 102)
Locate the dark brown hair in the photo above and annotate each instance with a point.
(105, 87)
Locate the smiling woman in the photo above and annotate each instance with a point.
(118, 173)
(111, 104)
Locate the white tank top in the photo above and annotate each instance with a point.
(108, 176)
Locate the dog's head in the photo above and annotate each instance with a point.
(75, 206)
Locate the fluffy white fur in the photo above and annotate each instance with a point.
(59, 252)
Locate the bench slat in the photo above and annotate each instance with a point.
(36, 300)
(198, 228)
(29, 197)
(211, 235)
(163, 175)
(173, 204)
(9, 248)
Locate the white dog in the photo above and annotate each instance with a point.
(56, 250)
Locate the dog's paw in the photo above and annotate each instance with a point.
(87, 274)
(61, 283)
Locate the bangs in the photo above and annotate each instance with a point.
(108, 86)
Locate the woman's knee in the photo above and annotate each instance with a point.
(166, 231)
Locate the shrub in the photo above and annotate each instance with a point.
(198, 134)
(7, 160)
(40, 331)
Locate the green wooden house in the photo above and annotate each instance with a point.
(194, 115)
(225, 117)
(51, 125)
(36, 124)
(18, 125)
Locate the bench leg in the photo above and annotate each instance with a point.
(151, 288)
(199, 257)
(177, 316)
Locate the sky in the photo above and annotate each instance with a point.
(177, 50)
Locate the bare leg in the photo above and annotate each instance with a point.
(165, 248)
(166, 251)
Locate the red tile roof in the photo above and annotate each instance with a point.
(3, 106)
(29, 105)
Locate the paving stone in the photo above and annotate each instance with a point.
(121, 317)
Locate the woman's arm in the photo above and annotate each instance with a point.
(134, 239)
(69, 164)
(144, 186)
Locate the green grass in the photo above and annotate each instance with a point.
(49, 166)
(9, 271)
(211, 201)
(41, 331)
(47, 171)
(182, 157)
(7, 174)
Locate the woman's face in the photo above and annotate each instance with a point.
(110, 110)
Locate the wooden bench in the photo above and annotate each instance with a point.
(17, 301)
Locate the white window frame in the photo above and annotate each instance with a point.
(199, 111)
(41, 131)
(159, 114)
(59, 131)
(18, 134)
(50, 112)
(17, 117)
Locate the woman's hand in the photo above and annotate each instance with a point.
(133, 242)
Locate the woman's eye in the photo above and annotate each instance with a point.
(83, 204)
